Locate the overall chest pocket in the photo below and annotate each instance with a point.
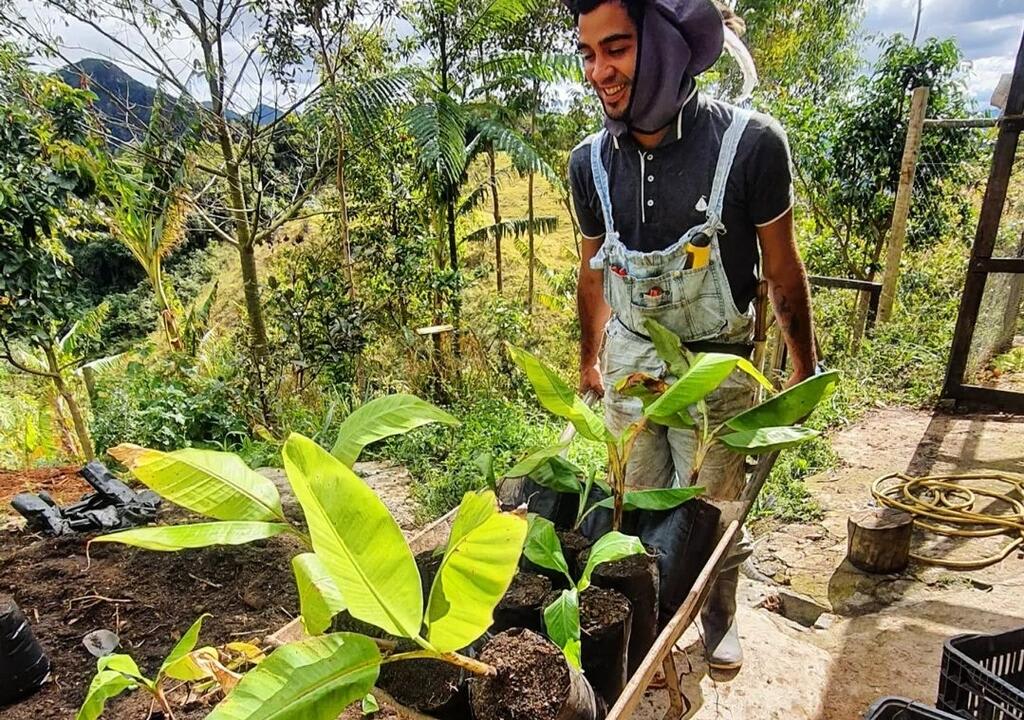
(692, 303)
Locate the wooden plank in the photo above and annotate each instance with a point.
(1003, 400)
(904, 192)
(964, 123)
(634, 690)
(985, 236)
(998, 265)
(844, 283)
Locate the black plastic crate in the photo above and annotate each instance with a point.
(983, 676)
(894, 708)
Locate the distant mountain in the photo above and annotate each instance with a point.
(125, 105)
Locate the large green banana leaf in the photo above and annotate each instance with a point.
(789, 406)
(171, 538)
(535, 459)
(668, 346)
(559, 398)
(312, 679)
(216, 484)
(355, 537)
(767, 439)
(654, 498)
(478, 566)
(319, 597)
(381, 418)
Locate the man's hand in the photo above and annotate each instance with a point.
(591, 380)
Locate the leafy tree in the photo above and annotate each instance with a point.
(47, 174)
(850, 179)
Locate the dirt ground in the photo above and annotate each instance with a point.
(147, 598)
(851, 638)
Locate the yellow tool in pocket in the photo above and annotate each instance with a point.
(698, 251)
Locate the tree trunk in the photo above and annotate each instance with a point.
(497, 215)
(878, 539)
(76, 412)
(529, 232)
(346, 248)
(529, 200)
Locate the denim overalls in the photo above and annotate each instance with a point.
(697, 304)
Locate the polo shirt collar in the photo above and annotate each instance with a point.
(680, 128)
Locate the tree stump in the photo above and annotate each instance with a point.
(879, 539)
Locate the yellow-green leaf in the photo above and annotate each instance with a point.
(106, 684)
(171, 538)
(319, 596)
(381, 418)
(356, 539)
(478, 566)
(216, 484)
(562, 622)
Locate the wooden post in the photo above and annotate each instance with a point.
(898, 232)
(1011, 313)
(879, 539)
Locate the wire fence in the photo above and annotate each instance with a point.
(949, 185)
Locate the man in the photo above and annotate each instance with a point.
(672, 171)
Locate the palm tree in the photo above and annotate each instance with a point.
(150, 221)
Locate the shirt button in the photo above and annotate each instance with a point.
(650, 203)
(650, 156)
(650, 178)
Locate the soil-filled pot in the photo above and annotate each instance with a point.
(636, 577)
(683, 540)
(533, 683)
(605, 617)
(23, 664)
(428, 686)
(523, 604)
(559, 508)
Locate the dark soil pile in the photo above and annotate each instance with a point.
(430, 686)
(386, 712)
(532, 681)
(148, 598)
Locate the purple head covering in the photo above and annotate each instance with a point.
(678, 40)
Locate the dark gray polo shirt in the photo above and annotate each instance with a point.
(656, 193)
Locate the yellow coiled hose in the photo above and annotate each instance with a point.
(942, 505)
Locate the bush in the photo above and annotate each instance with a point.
(166, 408)
(441, 458)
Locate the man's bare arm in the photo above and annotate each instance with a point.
(593, 313)
(790, 293)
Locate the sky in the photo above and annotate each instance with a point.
(988, 32)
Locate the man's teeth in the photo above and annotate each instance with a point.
(613, 90)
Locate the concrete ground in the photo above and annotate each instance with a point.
(824, 640)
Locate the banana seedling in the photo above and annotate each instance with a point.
(681, 403)
(562, 617)
(361, 563)
(118, 673)
(548, 468)
(768, 427)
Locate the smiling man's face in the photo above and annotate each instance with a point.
(608, 44)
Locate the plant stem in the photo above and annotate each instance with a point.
(469, 664)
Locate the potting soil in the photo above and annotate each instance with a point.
(636, 577)
(533, 682)
(605, 625)
(147, 598)
(433, 687)
(523, 604)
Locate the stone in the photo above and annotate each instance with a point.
(800, 608)
(825, 621)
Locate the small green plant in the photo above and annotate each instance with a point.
(562, 617)
(118, 672)
(765, 428)
(548, 468)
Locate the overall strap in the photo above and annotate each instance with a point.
(601, 182)
(730, 142)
